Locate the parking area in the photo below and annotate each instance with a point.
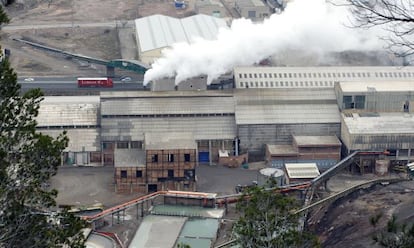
(90, 185)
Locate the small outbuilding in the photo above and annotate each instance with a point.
(300, 172)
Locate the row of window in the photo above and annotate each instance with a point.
(122, 145)
(171, 158)
(168, 115)
(139, 174)
(68, 127)
(326, 75)
(287, 84)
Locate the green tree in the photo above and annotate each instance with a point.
(27, 160)
(3, 16)
(266, 221)
(394, 235)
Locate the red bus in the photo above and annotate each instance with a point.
(95, 82)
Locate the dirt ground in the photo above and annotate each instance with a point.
(102, 41)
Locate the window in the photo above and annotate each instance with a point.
(241, 84)
(260, 75)
(122, 145)
(187, 157)
(245, 75)
(124, 174)
(265, 75)
(108, 145)
(359, 102)
(96, 157)
(261, 84)
(406, 107)
(138, 173)
(255, 75)
(154, 158)
(170, 158)
(240, 75)
(170, 173)
(347, 102)
(251, 14)
(136, 144)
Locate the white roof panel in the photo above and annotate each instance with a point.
(158, 31)
(384, 123)
(302, 170)
(400, 86)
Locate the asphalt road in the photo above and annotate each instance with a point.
(68, 86)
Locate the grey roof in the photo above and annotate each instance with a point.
(168, 104)
(214, 127)
(129, 158)
(282, 150)
(399, 86)
(159, 141)
(80, 139)
(384, 123)
(287, 114)
(68, 111)
(316, 141)
(158, 31)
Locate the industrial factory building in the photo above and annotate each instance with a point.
(371, 111)
(378, 116)
(210, 7)
(79, 117)
(156, 32)
(255, 10)
(127, 116)
(316, 77)
(275, 116)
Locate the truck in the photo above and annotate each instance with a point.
(103, 82)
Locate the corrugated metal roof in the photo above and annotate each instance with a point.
(287, 114)
(302, 170)
(159, 141)
(167, 105)
(218, 127)
(68, 111)
(158, 31)
(316, 141)
(401, 86)
(385, 123)
(202, 26)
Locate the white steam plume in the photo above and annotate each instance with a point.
(311, 25)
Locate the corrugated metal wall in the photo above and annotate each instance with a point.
(254, 137)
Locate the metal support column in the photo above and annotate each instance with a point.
(110, 71)
(209, 153)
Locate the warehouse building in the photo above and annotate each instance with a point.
(378, 117)
(317, 77)
(275, 116)
(156, 32)
(79, 117)
(255, 10)
(127, 116)
(324, 151)
(210, 7)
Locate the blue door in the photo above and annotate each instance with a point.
(203, 157)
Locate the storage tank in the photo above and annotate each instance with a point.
(381, 167)
(267, 173)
